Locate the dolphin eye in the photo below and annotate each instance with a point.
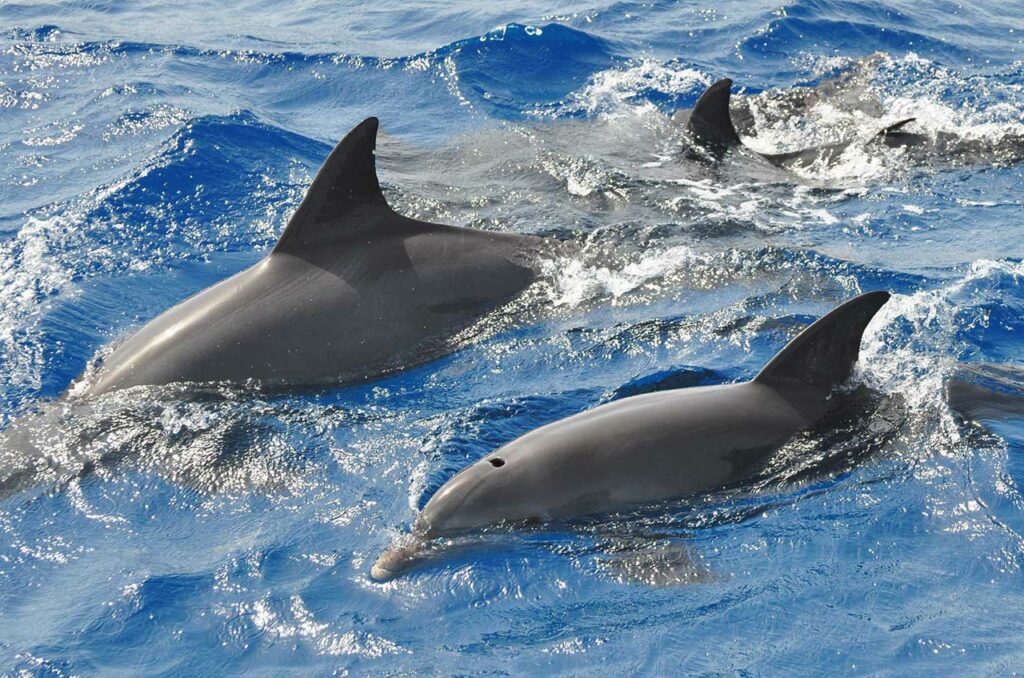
(497, 462)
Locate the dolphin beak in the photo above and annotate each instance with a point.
(443, 516)
(401, 557)
(380, 572)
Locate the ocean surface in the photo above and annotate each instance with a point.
(149, 149)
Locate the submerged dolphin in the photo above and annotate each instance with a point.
(352, 291)
(650, 447)
(986, 392)
(710, 124)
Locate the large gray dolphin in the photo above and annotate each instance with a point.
(650, 447)
(352, 291)
(710, 125)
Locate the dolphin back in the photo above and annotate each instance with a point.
(823, 355)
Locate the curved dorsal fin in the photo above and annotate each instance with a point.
(895, 127)
(343, 195)
(823, 355)
(710, 122)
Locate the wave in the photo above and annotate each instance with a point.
(499, 73)
(183, 202)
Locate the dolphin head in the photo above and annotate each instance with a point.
(494, 490)
(482, 494)
(547, 474)
(463, 503)
(523, 482)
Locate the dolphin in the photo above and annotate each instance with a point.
(711, 126)
(352, 291)
(646, 448)
(986, 392)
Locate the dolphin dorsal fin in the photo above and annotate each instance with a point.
(895, 127)
(710, 122)
(344, 194)
(823, 355)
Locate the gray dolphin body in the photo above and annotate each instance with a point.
(710, 124)
(650, 447)
(986, 392)
(352, 291)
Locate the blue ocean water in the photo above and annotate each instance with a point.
(150, 149)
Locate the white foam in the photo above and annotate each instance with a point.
(31, 272)
(304, 626)
(582, 176)
(615, 91)
(573, 281)
(912, 344)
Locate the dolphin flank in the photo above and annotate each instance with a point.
(649, 447)
(352, 291)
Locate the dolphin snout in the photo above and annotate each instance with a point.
(399, 558)
(459, 505)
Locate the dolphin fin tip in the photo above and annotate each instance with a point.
(895, 128)
(368, 127)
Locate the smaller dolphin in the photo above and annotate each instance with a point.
(647, 448)
(710, 125)
(986, 392)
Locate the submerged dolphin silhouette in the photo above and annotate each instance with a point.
(352, 291)
(986, 392)
(710, 124)
(647, 448)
